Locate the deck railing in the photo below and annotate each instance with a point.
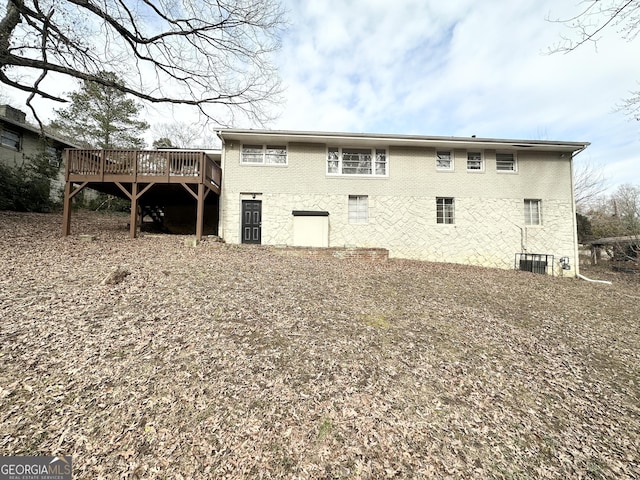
(134, 163)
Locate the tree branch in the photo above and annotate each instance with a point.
(192, 52)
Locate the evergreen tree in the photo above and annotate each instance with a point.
(102, 117)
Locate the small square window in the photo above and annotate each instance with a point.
(358, 209)
(10, 139)
(505, 162)
(474, 162)
(54, 156)
(532, 212)
(444, 210)
(444, 161)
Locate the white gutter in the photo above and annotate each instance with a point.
(401, 140)
(222, 198)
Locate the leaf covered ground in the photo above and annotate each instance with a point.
(224, 361)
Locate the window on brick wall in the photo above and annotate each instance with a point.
(505, 162)
(444, 160)
(532, 212)
(264, 155)
(357, 161)
(10, 139)
(444, 210)
(54, 155)
(358, 209)
(475, 162)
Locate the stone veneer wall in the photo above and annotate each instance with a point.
(487, 232)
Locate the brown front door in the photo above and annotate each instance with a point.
(252, 221)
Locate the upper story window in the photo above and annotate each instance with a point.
(475, 162)
(357, 161)
(264, 155)
(54, 155)
(444, 160)
(10, 139)
(505, 162)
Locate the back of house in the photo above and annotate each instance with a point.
(478, 201)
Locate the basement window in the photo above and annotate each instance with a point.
(444, 210)
(263, 155)
(358, 209)
(532, 212)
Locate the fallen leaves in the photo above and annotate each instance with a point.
(222, 361)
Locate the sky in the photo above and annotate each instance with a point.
(460, 68)
(456, 68)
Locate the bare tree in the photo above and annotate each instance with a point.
(589, 184)
(595, 17)
(183, 135)
(203, 53)
(592, 21)
(617, 214)
(626, 201)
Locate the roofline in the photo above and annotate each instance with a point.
(403, 140)
(33, 129)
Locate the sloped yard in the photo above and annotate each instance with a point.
(237, 362)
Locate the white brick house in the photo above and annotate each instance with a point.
(476, 201)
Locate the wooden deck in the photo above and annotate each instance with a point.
(135, 172)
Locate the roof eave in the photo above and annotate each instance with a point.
(399, 140)
(37, 131)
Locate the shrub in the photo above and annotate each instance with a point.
(27, 187)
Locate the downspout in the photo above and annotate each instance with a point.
(576, 253)
(221, 200)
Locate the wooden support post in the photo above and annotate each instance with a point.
(66, 210)
(133, 221)
(69, 193)
(596, 254)
(200, 212)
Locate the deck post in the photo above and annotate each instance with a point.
(200, 211)
(66, 209)
(133, 221)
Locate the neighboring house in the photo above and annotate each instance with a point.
(19, 140)
(477, 201)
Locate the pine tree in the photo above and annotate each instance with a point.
(103, 117)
